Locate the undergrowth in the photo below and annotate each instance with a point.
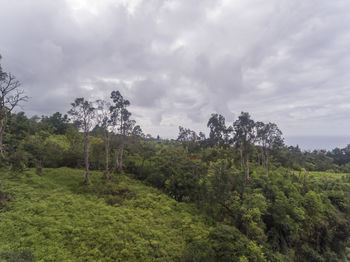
(52, 217)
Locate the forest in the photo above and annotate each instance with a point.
(89, 185)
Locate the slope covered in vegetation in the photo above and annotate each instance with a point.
(54, 219)
(283, 217)
(239, 194)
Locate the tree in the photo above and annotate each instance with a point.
(126, 128)
(137, 131)
(268, 136)
(122, 124)
(82, 112)
(244, 129)
(104, 121)
(189, 138)
(56, 123)
(10, 97)
(187, 135)
(219, 133)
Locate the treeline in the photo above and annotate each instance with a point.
(255, 191)
(59, 142)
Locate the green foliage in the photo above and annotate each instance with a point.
(198, 251)
(58, 220)
(288, 205)
(18, 255)
(231, 245)
(5, 198)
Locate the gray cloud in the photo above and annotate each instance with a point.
(179, 61)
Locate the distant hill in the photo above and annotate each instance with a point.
(318, 142)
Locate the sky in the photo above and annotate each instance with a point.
(179, 61)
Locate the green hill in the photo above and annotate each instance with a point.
(53, 218)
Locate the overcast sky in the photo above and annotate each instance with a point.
(284, 61)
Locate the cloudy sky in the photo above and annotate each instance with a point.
(178, 61)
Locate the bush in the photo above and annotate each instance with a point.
(232, 246)
(25, 255)
(4, 199)
(198, 251)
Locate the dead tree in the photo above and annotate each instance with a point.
(10, 97)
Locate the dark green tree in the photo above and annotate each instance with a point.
(219, 133)
(56, 123)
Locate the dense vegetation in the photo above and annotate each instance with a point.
(53, 218)
(238, 195)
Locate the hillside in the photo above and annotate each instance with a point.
(240, 194)
(53, 218)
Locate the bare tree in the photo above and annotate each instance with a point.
(82, 112)
(10, 97)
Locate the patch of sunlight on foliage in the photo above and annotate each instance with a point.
(55, 218)
(59, 140)
(321, 174)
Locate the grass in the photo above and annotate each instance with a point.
(55, 218)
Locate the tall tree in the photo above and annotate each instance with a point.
(269, 136)
(219, 133)
(122, 124)
(127, 126)
(244, 128)
(104, 121)
(187, 135)
(137, 131)
(189, 138)
(82, 112)
(10, 97)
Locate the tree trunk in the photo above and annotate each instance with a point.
(267, 164)
(86, 157)
(247, 168)
(106, 174)
(39, 167)
(2, 129)
(262, 156)
(121, 151)
(116, 165)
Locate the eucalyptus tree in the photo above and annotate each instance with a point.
(137, 131)
(187, 135)
(269, 136)
(219, 133)
(10, 97)
(82, 113)
(122, 125)
(104, 121)
(189, 139)
(244, 135)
